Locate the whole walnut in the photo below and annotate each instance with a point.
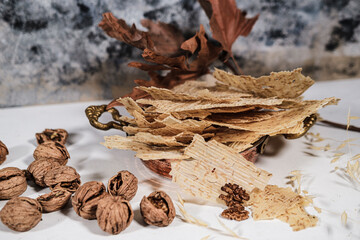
(157, 209)
(21, 214)
(114, 214)
(52, 135)
(86, 198)
(3, 152)
(55, 200)
(38, 169)
(123, 184)
(52, 150)
(12, 182)
(63, 177)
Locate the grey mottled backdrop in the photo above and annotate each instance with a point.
(52, 50)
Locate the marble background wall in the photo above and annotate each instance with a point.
(52, 50)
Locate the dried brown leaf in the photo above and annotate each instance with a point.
(227, 22)
(206, 51)
(117, 28)
(167, 38)
(175, 62)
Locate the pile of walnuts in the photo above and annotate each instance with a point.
(112, 208)
(92, 200)
(234, 200)
(47, 170)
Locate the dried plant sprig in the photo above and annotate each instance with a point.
(187, 217)
(181, 201)
(229, 230)
(344, 218)
(355, 157)
(296, 177)
(353, 171)
(191, 219)
(206, 237)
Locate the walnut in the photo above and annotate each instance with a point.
(114, 214)
(21, 214)
(235, 213)
(234, 199)
(52, 135)
(124, 184)
(12, 182)
(157, 209)
(3, 152)
(86, 198)
(38, 169)
(55, 200)
(63, 177)
(52, 150)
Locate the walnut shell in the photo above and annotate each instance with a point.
(52, 135)
(12, 182)
(55, 200)
(21, 214)
(114, 214)
(63, 177)
(86, 198)
(3, 152)
(39, 168)
(157, 209)
(124, 185)
(52, 150)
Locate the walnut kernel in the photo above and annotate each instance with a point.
(21, 214)
(157, 209)
(86, 198)
(124, 184)
(235, 198)
(12, 182)
(114, 214)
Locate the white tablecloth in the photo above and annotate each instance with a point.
(333, 193)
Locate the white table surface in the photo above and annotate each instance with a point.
(95, 162)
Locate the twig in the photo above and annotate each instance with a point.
(237, 66)
(327, 123)
(228, 64)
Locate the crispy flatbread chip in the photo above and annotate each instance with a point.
(143, 150)
(166, 106)
(190, 125)
(272, 202)
(156, 140)
(214, 165)
(287, 119)
(298, 218)
(158, 155)
(130, 105)
(279, 84)
(200, 114)
(165, 131)
(242, 117)
(166, 94)
(141, 121)
(201, 94)
(282, 203)
(239, 146)
(233, 135)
